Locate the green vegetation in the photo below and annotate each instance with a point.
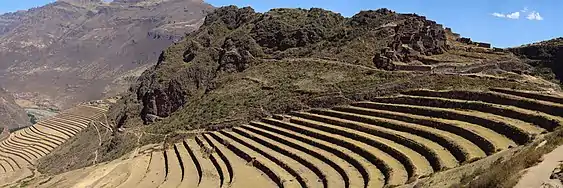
(32, 118)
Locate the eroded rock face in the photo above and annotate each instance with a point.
(373, 18)
(306, 28)
(162, 102)
(4, 134)
(557, 173)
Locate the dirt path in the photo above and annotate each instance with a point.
(538, 176)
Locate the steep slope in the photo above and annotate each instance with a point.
(546, 57)
(76, 50)
(11, 115)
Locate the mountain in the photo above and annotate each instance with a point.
(546, 57)
(11, 115)
(393, 98)
(232, 40)
(77, 50)
(241, 66)
(199, 71)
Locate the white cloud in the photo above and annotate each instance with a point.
(534, 16)
(496, 14)
(531, 14)
(514, 15)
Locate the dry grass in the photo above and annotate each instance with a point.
(80, 151)
(505, 173)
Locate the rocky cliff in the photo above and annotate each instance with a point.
(75, 50)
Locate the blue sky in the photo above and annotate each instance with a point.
(504, 23)
(14, 5)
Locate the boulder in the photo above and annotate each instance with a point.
(465, 40)
(557, 173)
(483, 45)
(495, 49)
(151, 118)
(382, 62)
(4, 134)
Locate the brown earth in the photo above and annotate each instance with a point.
(236, 41)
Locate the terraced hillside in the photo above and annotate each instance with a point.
(22, 148)
(389, 141)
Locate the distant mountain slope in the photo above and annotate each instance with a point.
(11, 115)
(70, 50)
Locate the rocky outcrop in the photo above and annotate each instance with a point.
(233, 39)
(420, 35)
(4, 134)
(413, 37)
(557, 172)
(546, 57)
(468, 41)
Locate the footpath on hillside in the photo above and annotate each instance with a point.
(539, 175)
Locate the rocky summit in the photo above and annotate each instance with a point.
(232, 40)
(71, 51)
